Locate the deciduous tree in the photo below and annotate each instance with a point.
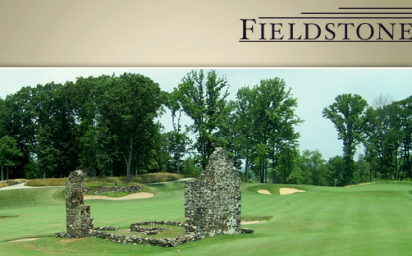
(203, 98)
(9, 152)
(345, 113)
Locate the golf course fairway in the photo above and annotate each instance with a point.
(372, 219)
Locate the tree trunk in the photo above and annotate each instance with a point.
(129, 161)
(274, 177)
(361, 172)
(2, 172)
(404, 166)
(7, 173)
(247, 170)
(408, 165)
(177, 163)
(261, 174)
(370, 170)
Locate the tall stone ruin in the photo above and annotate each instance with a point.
(79, 223)
(212, 202)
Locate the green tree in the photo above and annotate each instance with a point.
(3, 114)
(203, 99)
(56, 147)
(160, 160)
(9, 153)
(190, 168)
(230, 134)
(177, 141)
(97, 151)
(260, 161)
(127, 107)
(176, 145)
(335, 174)
(295, 176)
(387, 143)
(313, 168)
(244, 126)
(372, 143)
(361, 170)
(268, 109)
(346, 114)
(19, 122)
(405, 116)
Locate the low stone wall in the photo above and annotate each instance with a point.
(147, 230)
(99, 232)
(111, 189)
(247, 231)
(140, 228)
(107, 228)
(123, 239)
(161, 222)
(90, 233)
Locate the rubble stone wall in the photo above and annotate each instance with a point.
(79, 223)
(213, 201)
(212, 207)
(142, 228)
(111, 189)
(124, 239)
(132, 239)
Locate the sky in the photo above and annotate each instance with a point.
(314, 89)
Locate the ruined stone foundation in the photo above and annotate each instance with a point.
(212, 202)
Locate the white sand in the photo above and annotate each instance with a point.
(251, 222)
(24, 239)
(264, 191)
(139, 195)
(288, 191)
(360, 184)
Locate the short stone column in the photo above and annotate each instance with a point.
(213, 201)
(79, 223)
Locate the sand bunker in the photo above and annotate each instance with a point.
(264, 191)
(251, 222)
(360, 184)
(24, 239)
(288, 191)
(139, 195)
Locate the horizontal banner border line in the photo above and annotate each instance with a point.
(375, 8)
(325, 41)
(335, 17)
(345, 13)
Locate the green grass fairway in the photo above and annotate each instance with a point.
(362, 220)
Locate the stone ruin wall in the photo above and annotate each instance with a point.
(213, 201)
(111, 189)
(79, 223)
(212, 207)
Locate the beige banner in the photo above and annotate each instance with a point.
(187, 33)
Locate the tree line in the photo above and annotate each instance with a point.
(109, 125)
(384, 129)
